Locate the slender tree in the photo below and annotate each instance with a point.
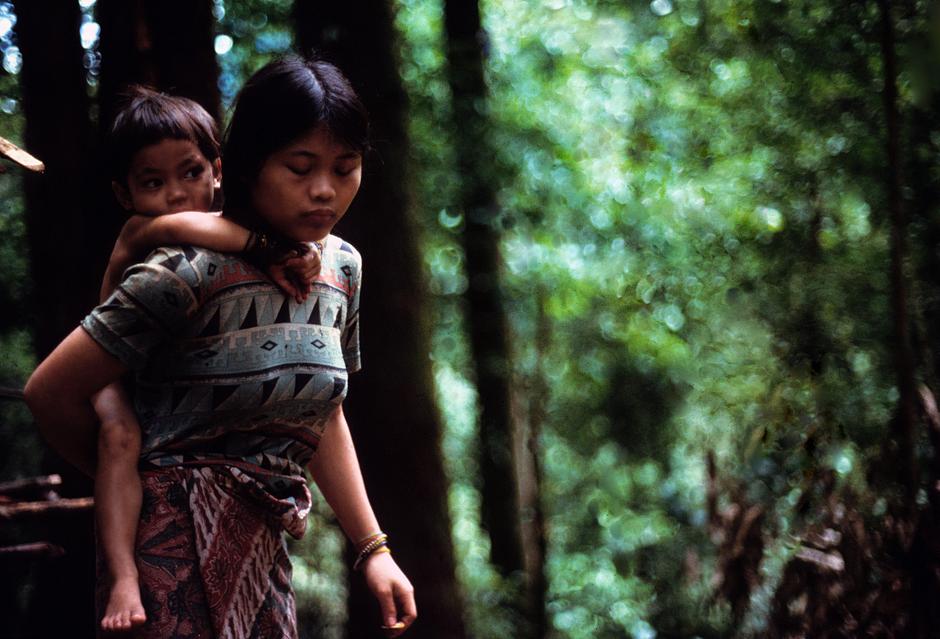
(906, 417)
(531, 473)
(391, 406)
(484, 300)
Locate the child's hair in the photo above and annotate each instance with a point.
(147, 117)
(281, 102)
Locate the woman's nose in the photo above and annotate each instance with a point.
(321, 188)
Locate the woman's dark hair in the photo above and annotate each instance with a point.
(281, 102)
(147, 117)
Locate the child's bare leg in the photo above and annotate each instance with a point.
(117, 503)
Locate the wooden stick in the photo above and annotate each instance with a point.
(929, 405)
(39, 508)
(10, 393)
(21, 157)
(36, 549)
(30, 483)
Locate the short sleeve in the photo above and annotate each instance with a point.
(155, 302)
(350, 334)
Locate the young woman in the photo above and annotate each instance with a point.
(239, 388)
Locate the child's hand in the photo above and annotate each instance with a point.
(295, 274)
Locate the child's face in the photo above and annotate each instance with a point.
(168, 177)
(304, 189)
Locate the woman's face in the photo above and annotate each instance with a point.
(304, 189)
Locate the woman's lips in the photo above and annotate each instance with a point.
(319, 215)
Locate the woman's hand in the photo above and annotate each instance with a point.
(295, 275)
(335, 468)
(393, 590)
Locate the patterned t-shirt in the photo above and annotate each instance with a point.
(230, 372)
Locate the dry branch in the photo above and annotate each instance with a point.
(38, 508)
(39, 549)
(21, 157)
(30, 483)
(10, 393)
(928, 404)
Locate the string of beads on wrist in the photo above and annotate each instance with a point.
(258, 247)
(263, 250)
(374, 544)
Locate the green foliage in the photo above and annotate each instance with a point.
(260, 30)
(19, 444)
(694, 193)
(319, 574)
(696, 250)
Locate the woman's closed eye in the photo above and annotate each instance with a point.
(299, 168)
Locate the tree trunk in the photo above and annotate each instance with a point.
(534, 395)
(484, 301)
(391, 408)
(67, 256)
(61, 227)
(166, 44)
(904, 363)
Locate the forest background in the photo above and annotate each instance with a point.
(651, 321)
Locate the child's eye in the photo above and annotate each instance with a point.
(193, 172)
(152, 183)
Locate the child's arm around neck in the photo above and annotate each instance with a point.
(142, 234)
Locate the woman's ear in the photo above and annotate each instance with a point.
(122, 195)
(217, 173)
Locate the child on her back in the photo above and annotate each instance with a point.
(165, 170)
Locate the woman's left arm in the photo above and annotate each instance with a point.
(59, 395)
(335, 468)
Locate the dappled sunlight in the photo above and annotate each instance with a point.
(682, 199)
(695, 232)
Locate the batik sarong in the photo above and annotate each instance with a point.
(211, 564)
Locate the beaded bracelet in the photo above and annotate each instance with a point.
(259, 248)
(375, 544)
(263, 250)
(365, 541)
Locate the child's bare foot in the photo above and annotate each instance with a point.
(125, 610)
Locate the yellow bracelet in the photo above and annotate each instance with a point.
(373, 547)
(365, 541)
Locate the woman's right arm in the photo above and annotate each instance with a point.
(59, 395)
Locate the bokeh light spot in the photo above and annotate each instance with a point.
(661, 7)
(89, 33)
(223, 44)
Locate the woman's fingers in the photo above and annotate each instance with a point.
(393, 592)
(406, 611)
(406, 606)
(387, 604)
